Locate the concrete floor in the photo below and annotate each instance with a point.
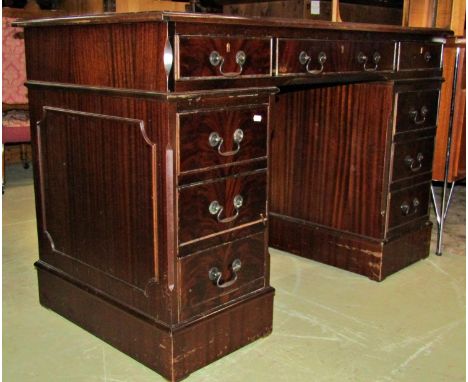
(329, 325)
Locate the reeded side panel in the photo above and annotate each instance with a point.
(97, 179)
(328, 153)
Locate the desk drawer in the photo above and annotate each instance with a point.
(412, 158)
(408, 204)
(417, 110)
(223, 57)
(415, 55)
(313, 57)
(216, 138)
(241, 267)
(216, 206)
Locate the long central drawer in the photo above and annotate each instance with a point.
(314, 57)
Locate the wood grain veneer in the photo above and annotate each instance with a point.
(199, 295)
(121, 115)
(195, 128)
(193, 55)
(130, 56)
(195, 220)
(341, 55)
(333, 140)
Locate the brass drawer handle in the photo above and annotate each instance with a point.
(216, 59)
(427, 56)
(215, 275)
(362, 59)
(215, 140)
(414, 115)
(406, 207)
(217, 209)
(414, 164)
(305, 59)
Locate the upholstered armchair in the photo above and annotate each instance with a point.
(15, 120)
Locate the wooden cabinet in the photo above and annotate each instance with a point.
(171, 149)
(365, 176)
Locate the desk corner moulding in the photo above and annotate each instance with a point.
(171, 149)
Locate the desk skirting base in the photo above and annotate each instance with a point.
(372, 258)
(173, 353)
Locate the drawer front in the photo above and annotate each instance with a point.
(314, 57)
(417, 110)
(216, 206)
(412, 158)
(414, 55)
(217, 138)
(223, 57)
(408, 204)
(216, 276)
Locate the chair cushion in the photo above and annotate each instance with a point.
(14, 66)
(15, 127)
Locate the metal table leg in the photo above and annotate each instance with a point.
(441, 210)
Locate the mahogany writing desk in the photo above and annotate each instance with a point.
(167, 145)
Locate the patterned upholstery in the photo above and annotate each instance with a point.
(14, 66)
(15, 123)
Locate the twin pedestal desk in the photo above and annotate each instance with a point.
(171, 149)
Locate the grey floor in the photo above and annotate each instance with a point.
(329, 325)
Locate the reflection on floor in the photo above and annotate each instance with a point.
(329, 324)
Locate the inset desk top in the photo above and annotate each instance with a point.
(205, 18)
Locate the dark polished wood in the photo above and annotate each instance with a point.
(149, 342)
(333, 141)
(192, 59)
(216, 19)
(371, 258)
(200, 294)
(195, 219)
(109, 153)
(341, 56)
(355, 179)
(408, 204)
(131, 56)
(85, 195)
(412, 158)
(122, 109)
(194, 132)
(409, 110)
(420, 56)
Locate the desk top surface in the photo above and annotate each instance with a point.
(204, 18)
